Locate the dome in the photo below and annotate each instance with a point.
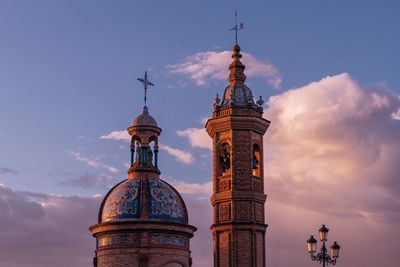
(144, 119)
(133, 198)
(237, 95)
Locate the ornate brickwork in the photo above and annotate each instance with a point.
(243, 211)
(169, 240)
(242, 154)
(224, 212)
(224, 184)
(119, 240)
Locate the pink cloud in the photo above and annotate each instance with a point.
(331, 157)
(198, 137)
(53, 230)
(339, 137)
(192, 188)
(49, 230)
(117, 135)
(396, 115)
(179, 154)
(205, 66)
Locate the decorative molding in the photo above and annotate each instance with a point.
(242, 157)
(243, 211)
(224, 184)
(118, 240)
(169, 240)
(224, 212)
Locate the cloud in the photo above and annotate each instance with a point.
(396, 115)
(36, 223)
(340, 147)
(198, 137)
(50, 230)
(331, 156)
(5, 170)
(180, 155)
(333, 134)
(93, 162)
(205, 66)
(89, 181)
(117, 135)
(192, 188)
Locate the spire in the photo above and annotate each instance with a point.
(236, 68)
(237, 94)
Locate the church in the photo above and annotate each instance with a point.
(143, 220)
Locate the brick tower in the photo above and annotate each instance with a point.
(238, 199)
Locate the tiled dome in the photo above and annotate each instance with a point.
(126, 202)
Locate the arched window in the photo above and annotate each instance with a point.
(135, 141)
(256, 161)
(225, 158)
(154, 147)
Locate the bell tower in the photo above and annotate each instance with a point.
(237, 129)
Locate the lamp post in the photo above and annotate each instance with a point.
(323, 256)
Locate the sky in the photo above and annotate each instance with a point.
(327, 70)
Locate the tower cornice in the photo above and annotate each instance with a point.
(236, 122)
(229, 195)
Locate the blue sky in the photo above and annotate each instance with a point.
(68, 74)
(68, 69)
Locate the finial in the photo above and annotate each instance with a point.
(216, 102)
(237, 28)
(146, 83)
(260, 101)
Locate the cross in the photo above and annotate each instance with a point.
(237, 28)
(146, 83)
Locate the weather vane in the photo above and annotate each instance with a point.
(146, 83)
(237, 28)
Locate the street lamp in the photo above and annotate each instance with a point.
(323, 256)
